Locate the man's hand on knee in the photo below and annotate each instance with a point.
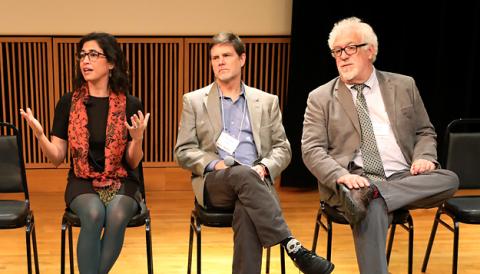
(353, 181)
(260, 169)
(220, 165)
(420, 166)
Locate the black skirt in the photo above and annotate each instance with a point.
(77, 186)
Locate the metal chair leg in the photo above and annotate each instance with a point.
(430, 241)
(282, 259)
(267, 268)
(62, 251)
(410, 244)
(29, 254)
(456, 234)
(329, 239)
(70, 248)
(199, 250)
(35, 250)
(316, 230)
(190, 245)
(148, 237)
(390, 242)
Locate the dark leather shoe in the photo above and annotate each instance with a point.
(356, 202)
(364, 194)
(310, 263)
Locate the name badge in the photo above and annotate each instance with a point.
(227, 142)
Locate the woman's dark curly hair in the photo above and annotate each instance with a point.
(119, 80)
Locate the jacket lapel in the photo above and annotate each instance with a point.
(212, 106)
(255, 113)
(344, 97)
(388, 95)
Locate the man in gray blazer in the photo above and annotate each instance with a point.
(232, 139)
(368, 140)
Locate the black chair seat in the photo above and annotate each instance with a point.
(400, 216)
(334, 214)
(71, 217)
(13, 214)
(139, 219)
(466, 209)
(214, 217)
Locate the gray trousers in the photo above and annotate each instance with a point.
(257, 219)
(401, 190)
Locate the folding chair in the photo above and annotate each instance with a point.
(16, 213)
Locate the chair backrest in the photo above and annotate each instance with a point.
(12, 168)
(462, 152)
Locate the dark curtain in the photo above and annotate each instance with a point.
(438, 45)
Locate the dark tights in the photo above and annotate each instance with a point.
(96, 252)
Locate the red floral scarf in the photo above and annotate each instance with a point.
(106, 183)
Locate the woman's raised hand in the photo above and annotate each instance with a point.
(33, 123)
(139, 124)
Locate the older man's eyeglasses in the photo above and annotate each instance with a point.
(92, 55)
(349, 50)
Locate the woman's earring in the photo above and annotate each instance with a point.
(110, 73)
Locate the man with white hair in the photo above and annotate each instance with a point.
(368, 140)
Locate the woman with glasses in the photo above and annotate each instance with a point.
(103, 126)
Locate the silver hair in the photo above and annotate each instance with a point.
(354, 24)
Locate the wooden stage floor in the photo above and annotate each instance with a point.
(170, 200)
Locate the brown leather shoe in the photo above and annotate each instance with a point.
(356, 203)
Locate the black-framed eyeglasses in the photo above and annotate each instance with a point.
(349, 50)
(92, 55)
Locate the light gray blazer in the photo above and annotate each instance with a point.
(201, 125)
(331, 130)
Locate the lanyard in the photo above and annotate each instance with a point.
(243, 114)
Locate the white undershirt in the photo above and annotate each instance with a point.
(392, 157)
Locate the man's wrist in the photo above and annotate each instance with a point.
(265, 169)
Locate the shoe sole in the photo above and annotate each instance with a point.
(327, 271)
(354, 215)
(330, 269)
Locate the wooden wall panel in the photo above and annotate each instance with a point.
(266, 67)
(157, 79)
(36, 72)
(26, 80)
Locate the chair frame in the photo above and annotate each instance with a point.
(30, 235)
(442, 210)
(407, 224)
(70, 220)
(223, 220)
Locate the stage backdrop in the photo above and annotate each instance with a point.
(145, 17)
(36, 71)
(438, 45)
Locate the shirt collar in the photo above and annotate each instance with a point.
(370, 81)
(242, 91)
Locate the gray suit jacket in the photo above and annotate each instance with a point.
(331, 130)
(201, 125)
